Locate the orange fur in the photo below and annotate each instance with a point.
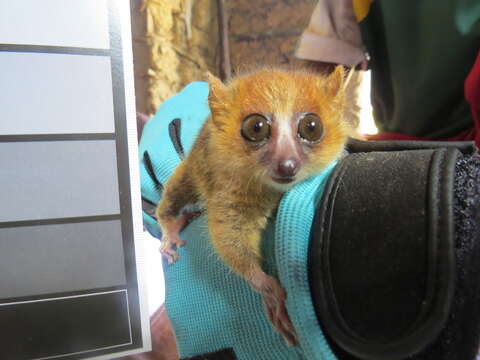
(273, 90)
(227, 174)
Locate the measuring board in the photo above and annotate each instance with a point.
(70, 214)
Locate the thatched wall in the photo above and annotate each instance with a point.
(176, 41)
(181, 41)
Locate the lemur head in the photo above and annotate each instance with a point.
(279, 126)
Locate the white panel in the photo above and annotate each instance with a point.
(77, 23)
(55, 93)
(126, 36)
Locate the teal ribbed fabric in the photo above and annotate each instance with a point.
(209, 306)
(292, 235)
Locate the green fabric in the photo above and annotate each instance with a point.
(467, 17)
(421, 52)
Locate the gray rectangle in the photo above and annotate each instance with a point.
(78, 23)
(58, 179)
(55, 93)
(47, 259)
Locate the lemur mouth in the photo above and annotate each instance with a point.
(283, 180)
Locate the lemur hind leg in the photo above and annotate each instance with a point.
(273, 296)
(235, 233)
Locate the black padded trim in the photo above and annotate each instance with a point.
(224, 354)
(174, 129)
(149, 207)
(357, 146)
(150, 171)
(381, 260)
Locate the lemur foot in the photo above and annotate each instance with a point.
(273, 296)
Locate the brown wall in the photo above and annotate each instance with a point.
(176, 41)
(266, 31)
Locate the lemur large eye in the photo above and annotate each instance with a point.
(255, 128)
(310, 128)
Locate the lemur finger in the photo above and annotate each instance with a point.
(167, 257)
(275, 321)
(288, 328)
(269, 312)
(285, 331)
(288, 337)
(170, 254)
(285, 325)
(173, 254)
(175, 241)
(179, 243)
(280, 320)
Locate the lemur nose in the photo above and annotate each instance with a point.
(287, 168)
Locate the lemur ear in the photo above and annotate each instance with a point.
(334, 83)
(217, 93)
(217, 98)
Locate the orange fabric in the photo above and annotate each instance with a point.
(361, 8)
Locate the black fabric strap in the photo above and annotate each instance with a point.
(223, 354)
(381, 261)
(357, 146)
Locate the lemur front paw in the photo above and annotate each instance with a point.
(171, 239)
(169, 246)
